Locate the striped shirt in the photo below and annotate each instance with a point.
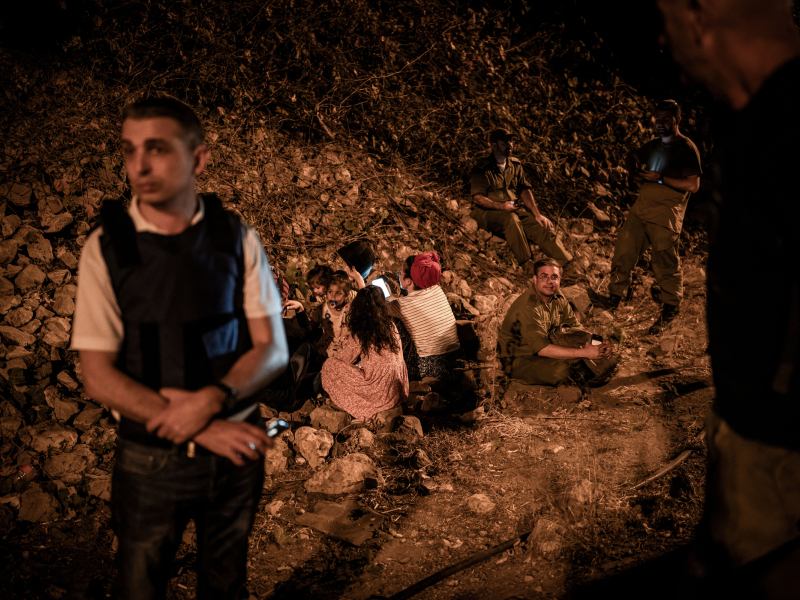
(429, 319)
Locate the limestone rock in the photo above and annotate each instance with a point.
(42, 313)
(100, 487)
(581, 227)
(277, 457)
(407, 429)
(313, 444)
(480, 503)
(463, 289)
(68, 258)
(547, 537)
(485, 304)
(9, 302)
(37, 506)
(8, 250)
(349, 474)
(569, 393)
(361, 438)
(386, 418)
(471, 225)
(461, 305)
(327, 417)
(59, 222)
(20, 316)
(44, 436)
(579, 298)
(59, 276)
(9, 225)
(70, 467)
(11, 419)
(603, 317)
(41, 249)
(56, 337)
(29, 279)
(15, 336)
(87, 418)
(6, 287)
(63, 410)
(31, 327)
(67, 381)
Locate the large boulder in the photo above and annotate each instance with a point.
(349, 474)
(313, 444)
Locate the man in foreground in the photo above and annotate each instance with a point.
(667, 170)
(540, 341)
(178, 325)
(747, 53)
(504, 204)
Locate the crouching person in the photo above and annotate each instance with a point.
(540, 341)
(368, 375)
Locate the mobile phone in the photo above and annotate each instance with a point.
(596, 339)
(381, 283)
(276, 427)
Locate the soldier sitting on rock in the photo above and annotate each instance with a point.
(540, 341)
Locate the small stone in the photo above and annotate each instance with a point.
(31, 327)
(273, 508)
(44, 436)
(420, 459)
(8, 250)
(547, 537)
(9, 302)
(603, 317)
(485, 304)
(277, 457)
(385, 418)
(9, 225)
(362, 438)
(42, 313)
(327, 417)
(70, 467)
(463, 289)
(13, 335)
(480, 503)
(471, 225)
(19, 194)
(20, 316)
(37, 506)
(6, 287)
(11, 420)
(528, 579)
(352, 473)
(407, 428)
(446, 487)
(59, 276)
(87, 418)
(66, 380)
(313, 444)
(41, 250)
(56, 338)
(68, 258)
(29, 279)
(100, 487)
(63, 410)
(668, 344)
(59, 222)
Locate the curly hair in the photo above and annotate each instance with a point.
(320, 274)
(341, 279)
(370, 323)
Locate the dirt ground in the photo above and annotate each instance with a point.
(561, 462)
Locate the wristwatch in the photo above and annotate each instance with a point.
(661, 182)
(231, 395)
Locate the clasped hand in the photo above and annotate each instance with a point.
(595, 352)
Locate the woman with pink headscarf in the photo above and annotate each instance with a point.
(432, 346)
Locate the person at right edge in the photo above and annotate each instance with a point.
(747, 53)
(667, 170)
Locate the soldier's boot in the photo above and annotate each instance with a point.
(668, 313)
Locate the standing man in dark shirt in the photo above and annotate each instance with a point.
(747, 53)
(667, 169)
(504, 204)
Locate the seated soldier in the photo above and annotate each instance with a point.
(540, 341)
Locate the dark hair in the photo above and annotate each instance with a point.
(369, 321)
(321, 274)
(545, 262)
(671, 106)
(164, 106)
(342, 279)
(407, 264)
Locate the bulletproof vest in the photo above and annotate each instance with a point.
(181, 301)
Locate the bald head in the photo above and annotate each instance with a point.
(730, 46)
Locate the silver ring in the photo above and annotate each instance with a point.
(251, 445)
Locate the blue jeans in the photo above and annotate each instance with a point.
(154, 494)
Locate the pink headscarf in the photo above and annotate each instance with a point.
(425, 270)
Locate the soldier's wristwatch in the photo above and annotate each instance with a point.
(231, 395)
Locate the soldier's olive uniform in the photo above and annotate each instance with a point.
(516, 227)
(525, 331)
(656, 219)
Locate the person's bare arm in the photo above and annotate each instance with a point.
(189, 412)
(109, 386)
(691, 183)
(356, 276)
(530, 203)
(484, 202)
(588, 351)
